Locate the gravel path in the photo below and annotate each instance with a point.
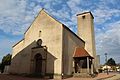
(99, 77)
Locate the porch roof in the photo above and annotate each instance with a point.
(81, 52)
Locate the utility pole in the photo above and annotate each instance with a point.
(106, 63)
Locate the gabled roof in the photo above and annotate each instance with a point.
(42, 10)
(81, 52)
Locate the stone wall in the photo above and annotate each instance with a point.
(47, 29)
(70, 42)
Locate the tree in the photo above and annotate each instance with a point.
(6, 60)
(111, 62)
(1, 68)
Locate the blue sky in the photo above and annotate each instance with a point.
(17, 15)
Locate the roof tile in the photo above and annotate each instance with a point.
(81, 52)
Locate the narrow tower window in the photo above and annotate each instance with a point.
(83, 17)
(39, 33)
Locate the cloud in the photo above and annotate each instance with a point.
(17, 15)
(6, 46)
(105, 10)
(109, 41)
(10, 15)
(102, 15)
(16, 20)
(74, 6)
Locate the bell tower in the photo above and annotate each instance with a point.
(85, 30)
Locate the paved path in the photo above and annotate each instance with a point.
(14, 77)
(100, 76)
(117, 77)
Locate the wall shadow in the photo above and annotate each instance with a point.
(23, 62)
(50, 65)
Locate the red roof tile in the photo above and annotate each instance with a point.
(81, 52)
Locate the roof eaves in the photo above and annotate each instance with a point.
(33, 21)
(18, 42)
(38, 15)
(88, 55)
(86, 13)
(73, 32)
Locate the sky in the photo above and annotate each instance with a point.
(17, 15)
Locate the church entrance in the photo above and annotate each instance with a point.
(38, 63)
(39, 59)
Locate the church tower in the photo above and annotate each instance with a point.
(86, 32)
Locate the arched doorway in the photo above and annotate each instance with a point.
(38, 63)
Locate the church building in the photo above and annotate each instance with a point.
(50, 48)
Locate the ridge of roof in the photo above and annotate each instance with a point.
(73, 33)
(86, 13)
(55, 20)
(34, 20)
(17, 42)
